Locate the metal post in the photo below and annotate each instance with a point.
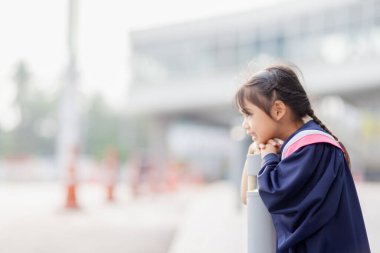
(261, 232)
(69, 109)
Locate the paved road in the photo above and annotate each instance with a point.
(32, 220)
(214, 226)
(369, 195)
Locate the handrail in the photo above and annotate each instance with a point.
(261, 232)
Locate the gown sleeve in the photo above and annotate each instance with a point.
(302, 192)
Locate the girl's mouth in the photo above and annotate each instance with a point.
(253, 136)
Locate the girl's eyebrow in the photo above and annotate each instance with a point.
(245, 111)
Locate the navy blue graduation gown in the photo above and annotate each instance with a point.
(313, 201)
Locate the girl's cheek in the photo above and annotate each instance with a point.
(250, 125)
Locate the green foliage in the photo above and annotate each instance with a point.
(29, 136)
(104, 129)
(36, 132)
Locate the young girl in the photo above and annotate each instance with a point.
(305, 180)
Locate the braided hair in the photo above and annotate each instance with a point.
(319, 122)
(280, 82)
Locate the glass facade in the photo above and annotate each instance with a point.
(334, 36)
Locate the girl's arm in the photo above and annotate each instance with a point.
(304, 188)
(252, 150)
(244, 185)
(285, 183)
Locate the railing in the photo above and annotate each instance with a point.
(261, 232)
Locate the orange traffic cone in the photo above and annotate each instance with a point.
(71, 199)
(111, 170)
(173, 176)
(110, 196)
(71, 185)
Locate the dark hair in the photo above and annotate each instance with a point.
(279, 82)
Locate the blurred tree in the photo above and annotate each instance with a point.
(104, 129)
(22, 136)
(35, 132)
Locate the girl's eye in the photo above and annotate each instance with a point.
(245, 114)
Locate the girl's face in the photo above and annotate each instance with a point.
(258, 124)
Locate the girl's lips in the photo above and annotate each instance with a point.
(254, 137)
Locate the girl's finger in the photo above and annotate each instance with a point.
(279, 141)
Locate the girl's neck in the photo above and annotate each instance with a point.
(288, 128)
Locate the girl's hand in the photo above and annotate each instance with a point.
(253, 149)
(272, 146)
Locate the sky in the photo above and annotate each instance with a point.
(35, 31)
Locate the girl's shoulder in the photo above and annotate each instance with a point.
(307, 137)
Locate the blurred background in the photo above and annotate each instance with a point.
(118, 130)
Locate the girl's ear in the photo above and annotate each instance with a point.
(278, 110)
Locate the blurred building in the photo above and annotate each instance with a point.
(185, 76)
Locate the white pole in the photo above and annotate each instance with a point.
(69, 108)
(261, 232)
